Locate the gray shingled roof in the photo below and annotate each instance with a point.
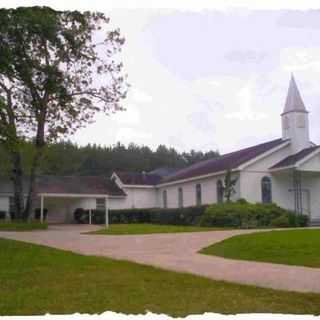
(70, 185)
(138, 178)
(293, 159)
(227, 161)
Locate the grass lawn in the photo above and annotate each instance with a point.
(147, 228)
(36, 280)
(294, 247)
(22, 226)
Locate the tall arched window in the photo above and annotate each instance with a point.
(198, 195)
(164, 198)
(266, 190)
(219, 191)
(180, 198)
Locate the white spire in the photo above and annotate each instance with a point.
(294, 101)
(295, 120)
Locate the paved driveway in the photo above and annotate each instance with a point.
(176, 252)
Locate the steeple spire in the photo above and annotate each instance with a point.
(295, 121)
(294, 101)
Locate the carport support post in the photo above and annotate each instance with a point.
(41, 209)
(89, 216)
(107, 212)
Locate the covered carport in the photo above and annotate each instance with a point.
(60, 196)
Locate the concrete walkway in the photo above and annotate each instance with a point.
(176, 252)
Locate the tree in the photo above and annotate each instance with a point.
(57, 70)
(229, 185)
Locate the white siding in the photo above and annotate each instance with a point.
(250, 177)
(136, 198)
(208, 190)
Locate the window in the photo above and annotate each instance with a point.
(266, 190)
(198, 195)
(164, 198)
(220, 192)
(101, 204)
(180, 198)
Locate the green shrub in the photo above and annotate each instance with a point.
(3, 215)
(280, 222)
(242, 201)
(37, 213)
(176, 216)
(298, 220)
(242, 214)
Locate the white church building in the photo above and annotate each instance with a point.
(285, 171)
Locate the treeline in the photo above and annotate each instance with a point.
(66, 158)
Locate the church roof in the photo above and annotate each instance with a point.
(224, 162)
(294, 158)
(294, 101)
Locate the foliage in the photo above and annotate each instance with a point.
(246, 215)
(57, 70)
(62, 282)
(294, 247)
(281, 221)
(229, 185)
(3, 215)
(66, 158)
(181, 216)
(147, 228)
(37, 213)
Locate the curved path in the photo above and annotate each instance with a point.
(176, 252)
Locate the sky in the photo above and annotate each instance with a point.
(207, 76)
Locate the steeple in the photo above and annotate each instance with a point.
(295, 121)
(294, 101)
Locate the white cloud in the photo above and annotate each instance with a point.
(127, 135)
(300, 59)
(130, 116)
(140, 96)
(245, 100)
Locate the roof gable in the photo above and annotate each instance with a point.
(293, 159)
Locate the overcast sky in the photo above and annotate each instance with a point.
(210, 79)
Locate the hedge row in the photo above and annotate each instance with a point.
(242, 214)
(183, 216)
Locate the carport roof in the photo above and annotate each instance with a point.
(89, 185)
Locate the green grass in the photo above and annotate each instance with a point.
(22, 226)
(292, 247)
(37, 280)
(146, 228)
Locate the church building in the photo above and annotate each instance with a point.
(285, 171)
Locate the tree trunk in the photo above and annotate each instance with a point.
(17, 179)
(32, 182)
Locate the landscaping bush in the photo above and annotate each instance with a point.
(242, 214)
(298, 220)
(182, 216)
(280, 222)
(37, 213)
(2, 215)
(239, 214)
